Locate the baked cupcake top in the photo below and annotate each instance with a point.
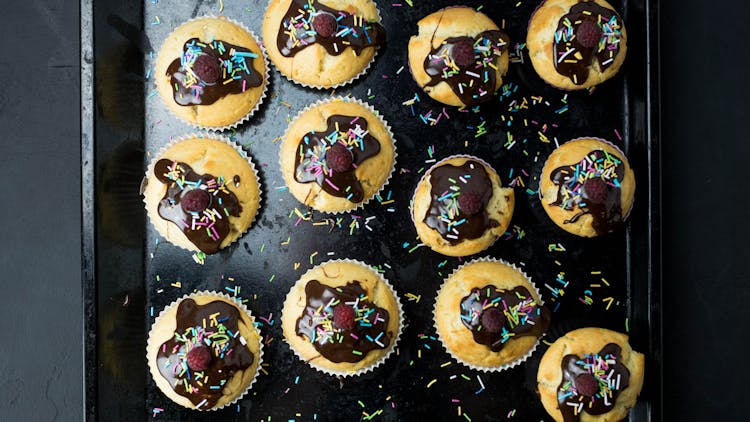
(590, 374)
(488, 314)
(460, 206)
(587, 187)
(459, 56)
(204, 351)
(582, 41)
(341, 316)
(322, 43)
(202, 194)
(336, 155)
(211, 72)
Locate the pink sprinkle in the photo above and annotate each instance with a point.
(618, 135)
(331, 183)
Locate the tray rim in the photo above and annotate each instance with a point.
(88, 212)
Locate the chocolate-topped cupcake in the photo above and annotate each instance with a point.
(489, 315)
(342, 318)
(211, 73)
(459, 56)
(322, 43)
(576, 44)
(204, 351)
(337, 154)
(587, 187)
(202, 192)
(590, 374)
(460, 206)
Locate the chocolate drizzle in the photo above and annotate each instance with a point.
(231, 72)
(297, 30)
(472, 79)
(310, 161)
(448, 184)
(593, 186)
(601, 374)
(215, 323)
(572, 54)
(206, 228)
(369, 330)
(495, 316)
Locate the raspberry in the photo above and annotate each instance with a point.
(463, 53)
(588, 33)
(198, 358)
(206, 68)
(343, 317)
(338, 158)
(325, 24)
(493, 320)
(596, 190)
(195, 200)
(469, 202)
(587, 385)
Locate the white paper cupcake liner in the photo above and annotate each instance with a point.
(149, 176)
(375, 113)
(509, 365)
(241, 306)
(340, 84)
(392, 346)
(266, 76)
(625, 157)
(423, 179)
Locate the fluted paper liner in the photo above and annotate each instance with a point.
(264, 86)
(391, 347)
(423, 179)
(626, 214)
(508, 365)
(340, 84)
(375, 113)
(195, 135)
(155, 371)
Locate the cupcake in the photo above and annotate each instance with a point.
(337, 154)
(460, 206)
(342, 318)
(590, 374)
(587, 187)
(576, 44)
(459, 56)
(211, 73)
(202, 193)
(322, 44)
(489, 315)
(204, 351)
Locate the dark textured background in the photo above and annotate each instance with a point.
(704, 109)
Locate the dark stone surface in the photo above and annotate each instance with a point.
(704, 109)
(706, 278)
(40, 282)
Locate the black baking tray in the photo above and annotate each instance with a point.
(124, 124)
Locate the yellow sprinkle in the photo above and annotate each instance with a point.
(177, 284)
(431, 382)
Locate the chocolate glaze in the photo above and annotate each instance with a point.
(310, 164)
(298, 19)
(228, 353)
(577, 67)
(235, 66)
(607, 214)
(223, 202)
(523, 316)
(572, 403)
(444, 204)
(335, 344)
(475, 83)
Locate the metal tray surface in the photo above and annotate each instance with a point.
(130, 273)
